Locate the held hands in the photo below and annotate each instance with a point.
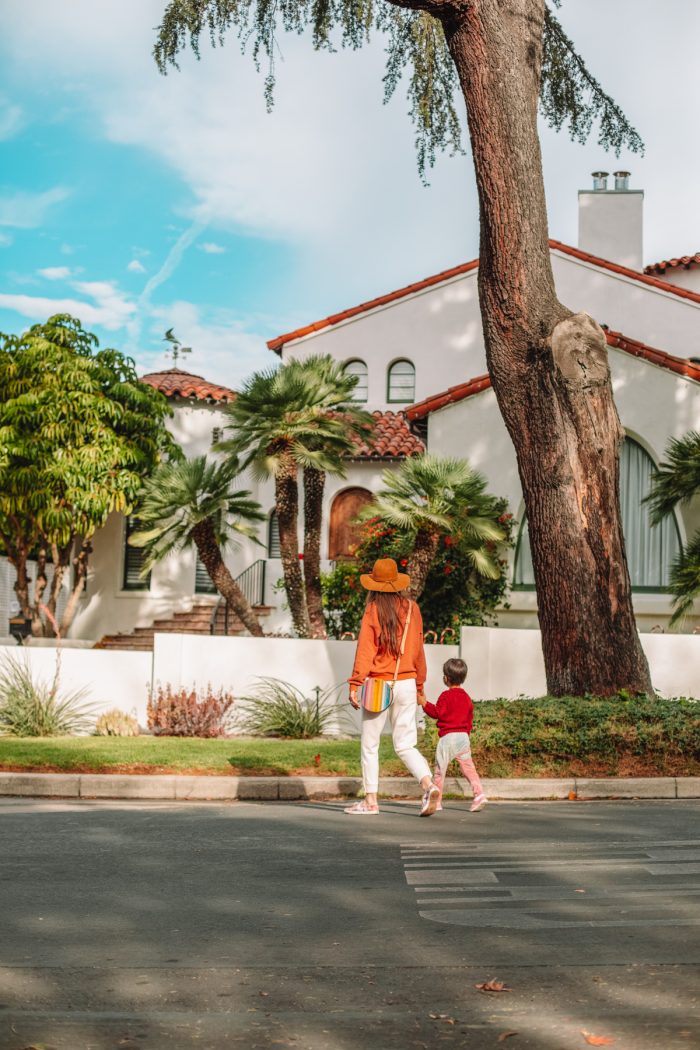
(421, 698)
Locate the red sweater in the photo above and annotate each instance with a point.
(454, 711)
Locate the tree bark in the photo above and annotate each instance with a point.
(38, 625)
(205, 541)
(314, 481)
(80, 571)
(548, 367)
(287, 505)
(422, 557)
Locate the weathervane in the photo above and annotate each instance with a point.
(177, 348)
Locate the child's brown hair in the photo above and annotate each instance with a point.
(455, 671)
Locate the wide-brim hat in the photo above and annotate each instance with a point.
(385, 576)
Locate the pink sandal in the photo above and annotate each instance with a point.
(362, 809)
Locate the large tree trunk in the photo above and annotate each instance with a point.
(422, 557)
(313, 516)
(287, 506)
(208, 549)
(549, 368)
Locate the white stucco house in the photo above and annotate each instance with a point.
(419, 356)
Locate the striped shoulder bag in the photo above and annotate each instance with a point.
(375, 694)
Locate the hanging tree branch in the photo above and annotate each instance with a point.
(415, 44)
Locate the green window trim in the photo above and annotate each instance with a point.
(133, 560)
(397, 369)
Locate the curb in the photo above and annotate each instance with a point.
(182, 788)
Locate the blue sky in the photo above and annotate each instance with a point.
(140, 202)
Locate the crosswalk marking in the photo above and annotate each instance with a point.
(556, 885)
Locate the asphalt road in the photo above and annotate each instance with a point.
(129, 926)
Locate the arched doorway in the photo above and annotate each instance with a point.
(343, 534)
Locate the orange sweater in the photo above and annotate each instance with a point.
(370, 663)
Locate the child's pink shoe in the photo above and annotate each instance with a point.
(478, 803)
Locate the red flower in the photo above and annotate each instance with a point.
(404, 561)
(317, 760)
(448, 569)
(449, 542)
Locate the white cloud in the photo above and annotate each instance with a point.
(136, 267)
(5, 240)
(55, 273)
(11, 118)
(27, 210)
(224, 349)
(211, 248)
(109, 307)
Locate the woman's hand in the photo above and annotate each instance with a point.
(353, 698)
(421, 698)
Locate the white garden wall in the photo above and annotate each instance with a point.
(508, 662)
(117, 678)
(235, 663)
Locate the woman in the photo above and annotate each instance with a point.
(380, 654)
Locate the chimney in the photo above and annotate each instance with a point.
(610, 221)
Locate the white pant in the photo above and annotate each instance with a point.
(402, 715)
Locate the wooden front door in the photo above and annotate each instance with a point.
(343, 534)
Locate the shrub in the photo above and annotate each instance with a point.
(116, 723)
(455, 594)
(183, 712)
(32, 707)
(280, 709)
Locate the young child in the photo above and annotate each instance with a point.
(454, 712)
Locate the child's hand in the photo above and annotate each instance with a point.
(421, 698)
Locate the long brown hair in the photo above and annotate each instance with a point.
(392, 609)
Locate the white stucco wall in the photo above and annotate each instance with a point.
(509, 663)
(610, 225)
(689, 279)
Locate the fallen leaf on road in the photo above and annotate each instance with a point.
(572, 796)
(492, 986)
(596, 1040)
(264, 994)
(505, 1035)
(579, 891)
(443, 1017)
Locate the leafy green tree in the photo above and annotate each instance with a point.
(677, 480)
(548, 366)
(78, 434)
(425, 498)
(297, 417)
(191, 503)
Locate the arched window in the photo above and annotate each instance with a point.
(273, 536)
(650, 548)
(359, 368)
(133, 561)
(343, 533)
(401, 382)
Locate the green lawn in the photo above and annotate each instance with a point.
(147, 754)
(583, 736)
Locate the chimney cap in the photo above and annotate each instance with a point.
(600, 181)
(600, 174)
(622, 174)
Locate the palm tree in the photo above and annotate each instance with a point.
(430, 495)
(191, 503)
(678, 481)
(298, 417)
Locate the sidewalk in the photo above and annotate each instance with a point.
(181, 788)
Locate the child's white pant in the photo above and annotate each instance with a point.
(402, 715)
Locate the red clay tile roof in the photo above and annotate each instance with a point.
(686, 262)
(392, 439)
(616, 339)
(279, 341)
(175, 383)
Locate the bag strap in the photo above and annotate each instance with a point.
(403, 641)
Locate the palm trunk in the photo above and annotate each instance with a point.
(314, 481)
(80, 571)
(287, 505)
(549, 368)
(208, 549)
(422, 556)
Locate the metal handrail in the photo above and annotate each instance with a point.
(252, 583)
